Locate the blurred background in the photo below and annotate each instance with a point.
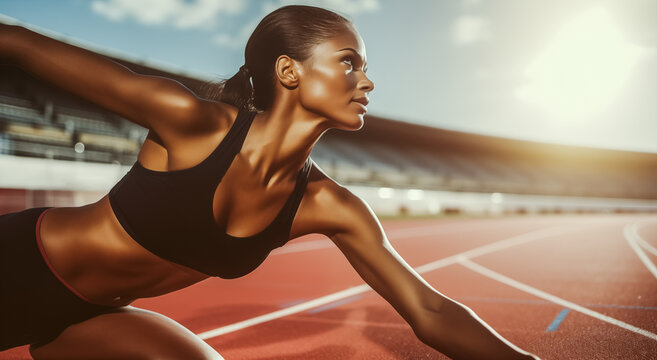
(480, 107)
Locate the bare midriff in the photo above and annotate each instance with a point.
(90, 252)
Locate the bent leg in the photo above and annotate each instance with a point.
(127, 333)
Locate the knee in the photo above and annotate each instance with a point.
(128, 333)
(146, 348)
(155, 336)
(175, 348)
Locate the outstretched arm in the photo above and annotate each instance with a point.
(440, 322)
(157, 103)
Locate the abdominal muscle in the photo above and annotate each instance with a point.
(90, 251)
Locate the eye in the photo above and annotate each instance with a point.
(348, 61)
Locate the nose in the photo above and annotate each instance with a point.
(365, 84)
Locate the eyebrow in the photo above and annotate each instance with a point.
(357, 53)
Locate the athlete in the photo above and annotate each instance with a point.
(217, 185)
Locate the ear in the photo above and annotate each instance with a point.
(287, 71)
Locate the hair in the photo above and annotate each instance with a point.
(292, 30)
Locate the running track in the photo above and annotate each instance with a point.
(563, 287)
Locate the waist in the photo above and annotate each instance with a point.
(91, 252)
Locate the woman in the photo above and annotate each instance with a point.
(187, 208)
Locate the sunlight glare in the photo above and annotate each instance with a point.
(582, 69)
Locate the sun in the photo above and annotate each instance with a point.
(582, 69)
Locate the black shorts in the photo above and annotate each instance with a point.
(35, 306)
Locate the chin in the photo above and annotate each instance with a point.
(353, 122)
(361, 122)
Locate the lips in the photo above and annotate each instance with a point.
(362, 100)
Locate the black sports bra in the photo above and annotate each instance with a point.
(170, 212)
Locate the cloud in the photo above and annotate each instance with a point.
(181, 14)
(469, 29)
(350, 7)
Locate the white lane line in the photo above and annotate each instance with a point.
(482, 250)
(285, 312)
(632, 237)
(496, 246)
(643, 242)
(549, 297)
(646, 245)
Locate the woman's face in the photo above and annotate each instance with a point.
(334, 83)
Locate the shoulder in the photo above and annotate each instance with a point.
(200, 119)
(331, 209)
(212, 115)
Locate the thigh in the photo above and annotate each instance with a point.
(126, 333)
(34, 304)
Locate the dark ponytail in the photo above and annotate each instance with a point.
(291, 30)
(237, 91)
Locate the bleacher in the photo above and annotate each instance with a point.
(412, 156)
(38, 120)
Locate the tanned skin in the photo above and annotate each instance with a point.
(92, 252)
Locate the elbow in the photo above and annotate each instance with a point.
(429, 329)
(424, 333)
(437, 331)
(429, 326)
(428, 322)
(456, 331)
(440, 324)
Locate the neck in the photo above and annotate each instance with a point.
(280, 140)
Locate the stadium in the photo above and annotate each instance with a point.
(63, 151)
(524, 232)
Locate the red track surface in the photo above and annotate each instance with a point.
(585, 260)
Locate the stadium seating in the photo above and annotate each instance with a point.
(40, 121)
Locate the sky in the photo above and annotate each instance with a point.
(578, 72)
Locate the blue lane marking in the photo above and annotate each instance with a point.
(557, 321)
(334, 304)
